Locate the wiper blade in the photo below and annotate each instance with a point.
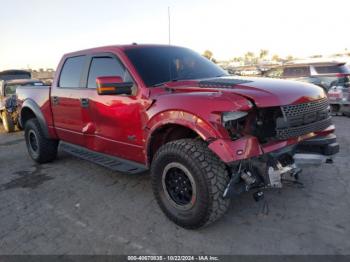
(163, 83)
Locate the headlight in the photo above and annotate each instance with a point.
(231, 116)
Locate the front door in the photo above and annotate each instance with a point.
(117, 119)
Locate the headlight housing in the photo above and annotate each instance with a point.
(232, 116)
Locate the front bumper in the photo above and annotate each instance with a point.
(248, 147)
(324, 145)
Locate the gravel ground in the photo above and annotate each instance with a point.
(75, 207)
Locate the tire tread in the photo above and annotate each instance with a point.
(211, 166)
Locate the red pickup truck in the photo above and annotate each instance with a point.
(205, 135)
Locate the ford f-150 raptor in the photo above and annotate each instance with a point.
(205, 135)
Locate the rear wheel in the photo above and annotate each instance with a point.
(188, 182)
(7, 122)
(40, 148)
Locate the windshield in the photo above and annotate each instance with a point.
(161, 64)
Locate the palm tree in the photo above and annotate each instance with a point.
(276, 58)
(249, 58)
(263, 53)
(208, 54)
(289, 58)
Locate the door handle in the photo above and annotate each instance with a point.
(84, 102)
(55, 100)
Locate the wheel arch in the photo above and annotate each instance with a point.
(29, 110)
(169, 128)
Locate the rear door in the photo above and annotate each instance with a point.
(66, 100)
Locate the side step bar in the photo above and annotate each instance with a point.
(111, 162)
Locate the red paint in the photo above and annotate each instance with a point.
(123, 125)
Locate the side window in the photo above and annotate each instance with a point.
(328, 69)
(71, 72)
(296, 71)
(106, 66)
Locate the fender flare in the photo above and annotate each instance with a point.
(181, 118)
(34, 107)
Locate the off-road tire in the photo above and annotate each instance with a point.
(210, 177)
(7, 122)
(46, 150)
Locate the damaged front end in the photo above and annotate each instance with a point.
(263, 143)
(267, 171)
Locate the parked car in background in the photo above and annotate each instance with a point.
(206, 136)
(323, 74)
(339, 95)
(8, 101)
(15, 74)
(332, 76)
(246, 71)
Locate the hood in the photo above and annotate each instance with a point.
(264, 92)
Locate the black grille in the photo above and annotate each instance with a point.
(285, 133)
(304, 118)
(311, 107)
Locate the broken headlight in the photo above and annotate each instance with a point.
(232, 116)
(234, 122)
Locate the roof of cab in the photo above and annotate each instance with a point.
(113, 47)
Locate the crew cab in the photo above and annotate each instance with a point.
(206, 136)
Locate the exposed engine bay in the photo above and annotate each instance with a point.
(272, 124)
(280, 123)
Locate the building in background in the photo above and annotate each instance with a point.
(45, 75)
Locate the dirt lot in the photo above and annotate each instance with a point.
(75, 207)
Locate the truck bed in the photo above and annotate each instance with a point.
(41, 96)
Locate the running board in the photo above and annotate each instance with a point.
(111, 162)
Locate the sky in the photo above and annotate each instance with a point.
(36, 33)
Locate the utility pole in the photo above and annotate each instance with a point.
(169, 24)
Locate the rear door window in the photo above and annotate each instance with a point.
(302, 71)
(106, 66)
(72, 72)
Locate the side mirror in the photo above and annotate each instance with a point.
(113, 85)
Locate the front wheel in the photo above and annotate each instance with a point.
(40, 148)
(188, 183)
(7, 121)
